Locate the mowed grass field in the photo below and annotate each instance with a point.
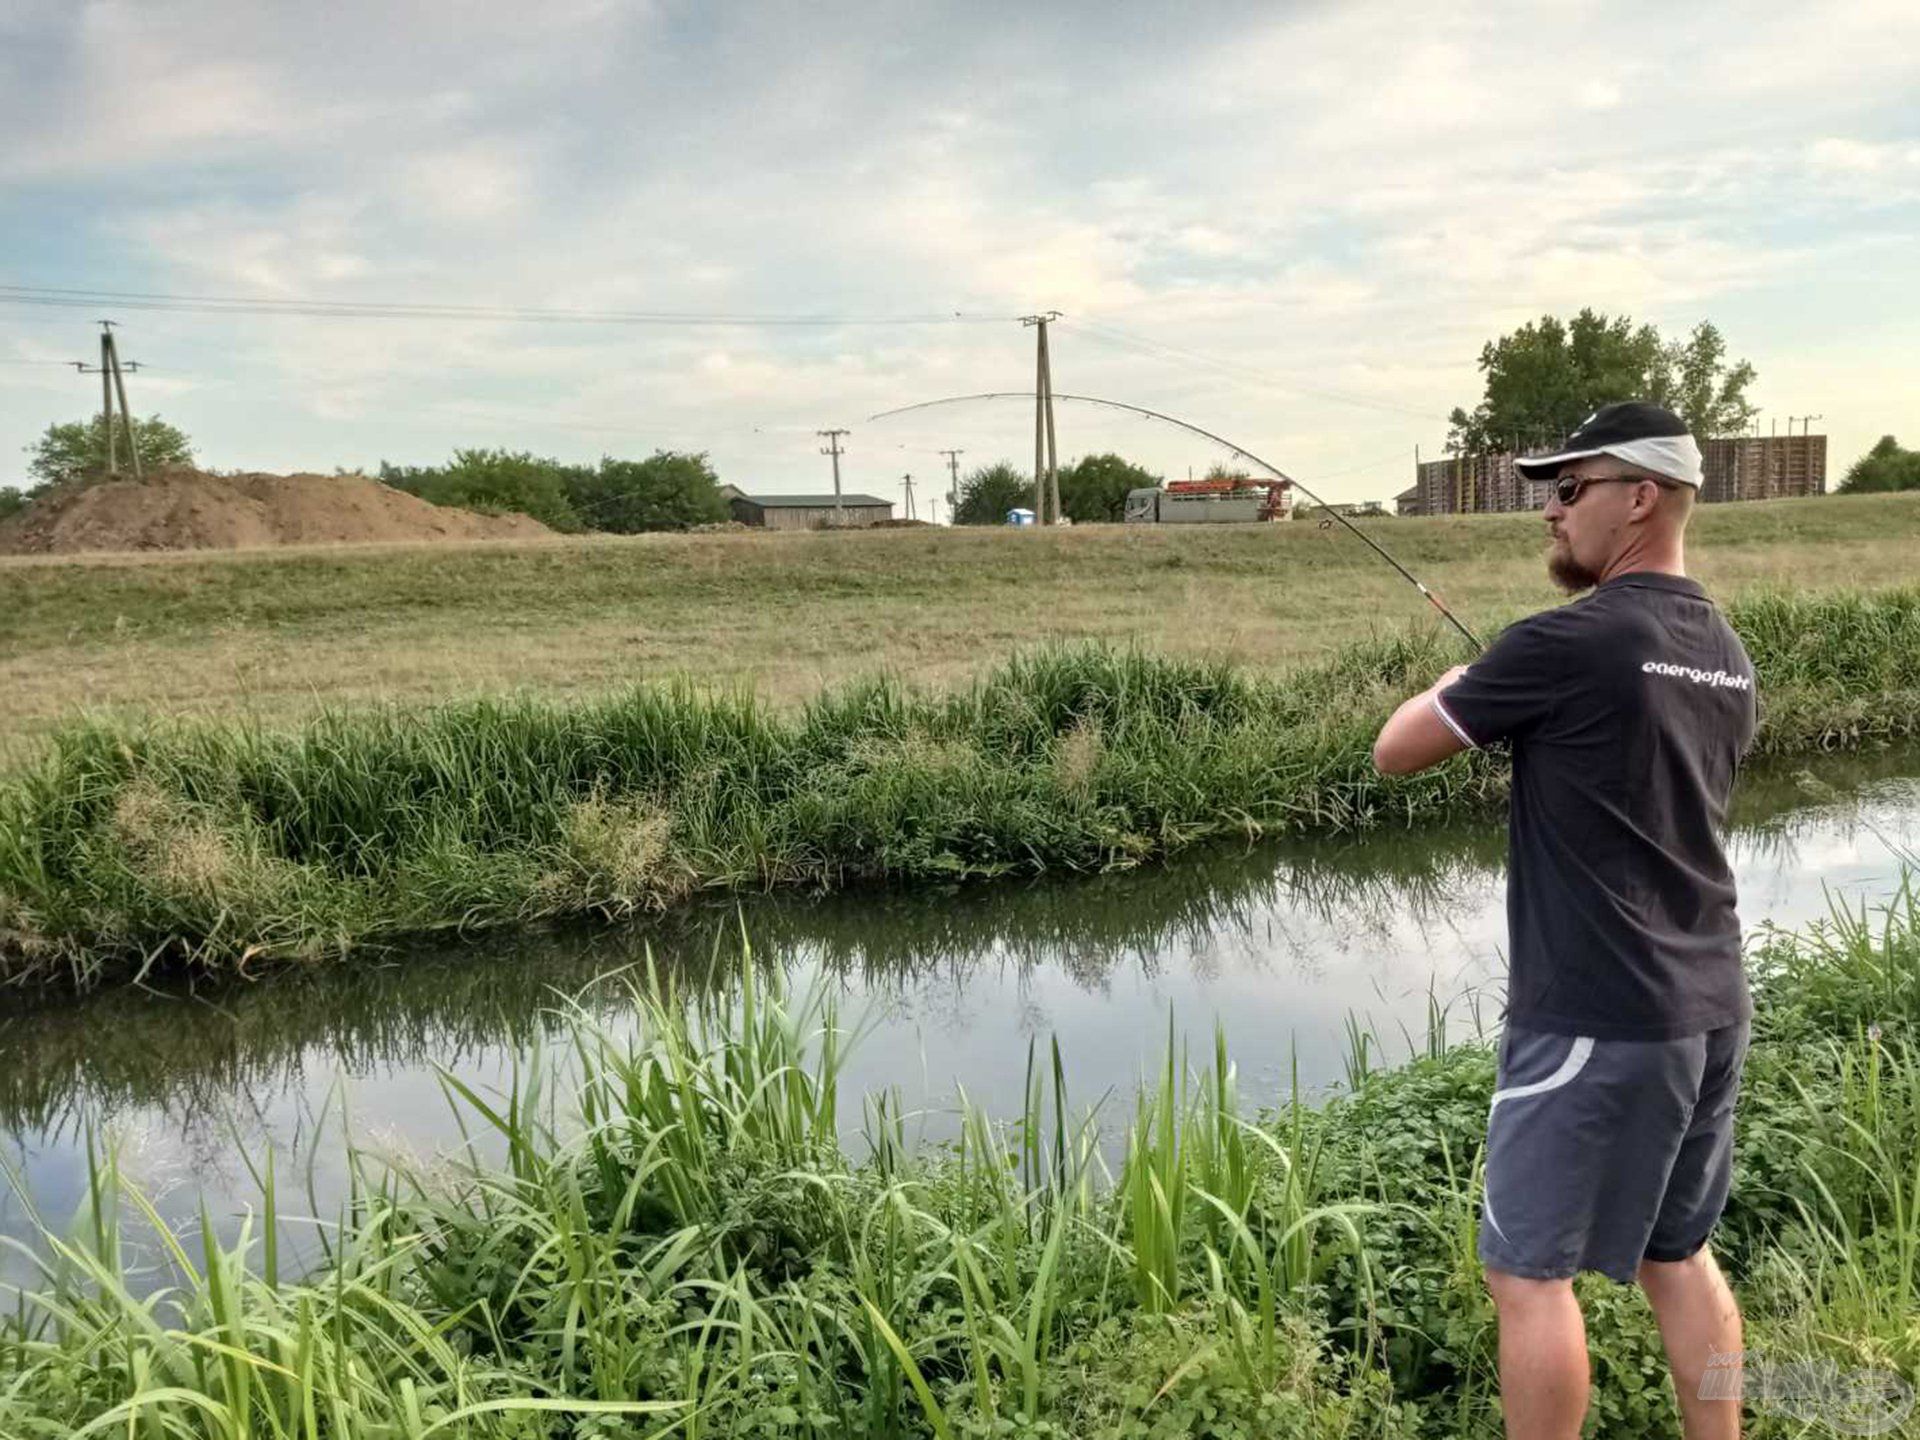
(281, 634)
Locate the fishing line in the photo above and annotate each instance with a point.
(1359, 534)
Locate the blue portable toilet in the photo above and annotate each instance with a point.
(1019, 516)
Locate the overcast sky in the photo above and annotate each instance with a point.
(1292, 224)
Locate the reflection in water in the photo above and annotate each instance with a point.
(1290, 910)
(1278, 907)
(1280, 942)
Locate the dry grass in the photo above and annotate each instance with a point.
(616, 856)
(279, 634)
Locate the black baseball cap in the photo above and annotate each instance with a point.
(1648, 436)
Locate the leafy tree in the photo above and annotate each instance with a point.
(1886, 466)
(669, 490)
(989, 492)
(77, 451)
(1697, 382)
(1549, 375)
(12, 501)
(496, 482)
(1095, 487)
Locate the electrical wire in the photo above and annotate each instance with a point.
(378, 310)
(1099, 330)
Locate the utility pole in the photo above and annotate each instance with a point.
(1046, 455)
(953, 470)
(832, 447)
(934, 505)
(907, 482)
(112, 383)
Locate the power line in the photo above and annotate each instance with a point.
(381, 310)
(1398, 457)
(1112, 334)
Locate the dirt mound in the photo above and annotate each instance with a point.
(186, 510)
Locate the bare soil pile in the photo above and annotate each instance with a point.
(181, 509)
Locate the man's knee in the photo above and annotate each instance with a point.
(1658, 1277)
(1522, 1292)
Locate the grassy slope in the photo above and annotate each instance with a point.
(278, 633)
(220, 842)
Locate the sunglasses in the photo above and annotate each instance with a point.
(1567, 488)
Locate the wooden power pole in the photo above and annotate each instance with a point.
(1046, 455)
(907, 482)
(113, 383)
(832, 447)
(953, 487)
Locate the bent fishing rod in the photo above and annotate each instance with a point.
(1372, 544)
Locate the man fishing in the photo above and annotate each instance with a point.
(1610, 1136)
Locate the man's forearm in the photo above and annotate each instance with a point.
(1415, 736)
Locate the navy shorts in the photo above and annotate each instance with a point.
(1601, 1153)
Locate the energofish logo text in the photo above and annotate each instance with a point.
(1717, 678)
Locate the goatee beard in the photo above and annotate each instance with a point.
(1568, 573)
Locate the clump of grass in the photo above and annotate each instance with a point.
(182, 846)
(614, 857)
(1076, 759)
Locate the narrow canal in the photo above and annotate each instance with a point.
(1288, 947)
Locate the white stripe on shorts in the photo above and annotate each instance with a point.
(1571, 1066)
(1577, 1056)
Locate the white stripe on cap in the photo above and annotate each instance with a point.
(1674, 456)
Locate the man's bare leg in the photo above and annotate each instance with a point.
(1543, 1357)
(1698, 1319)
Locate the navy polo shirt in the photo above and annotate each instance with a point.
(1628, 713)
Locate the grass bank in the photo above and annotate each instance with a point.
(694, 1244)
(218, 845)
(276, 636)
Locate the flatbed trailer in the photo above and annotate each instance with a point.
(1211, 502)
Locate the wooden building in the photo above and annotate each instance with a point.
(806, 512)
(1738, 467)
(1473, 484)
(1763, 467)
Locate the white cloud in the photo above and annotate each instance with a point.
(1332, 201)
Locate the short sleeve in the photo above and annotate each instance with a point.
(1508, 691)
